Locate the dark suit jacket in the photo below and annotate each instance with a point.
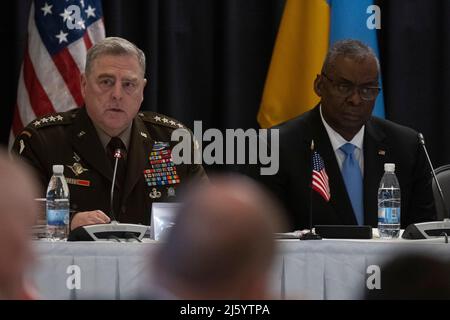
(70, 138)
(384, 141)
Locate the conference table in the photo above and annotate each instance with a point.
(316, 269)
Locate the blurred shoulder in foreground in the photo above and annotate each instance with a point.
(17, 214)
(222, 244)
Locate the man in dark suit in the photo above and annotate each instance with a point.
(344, 132)
(84, 141)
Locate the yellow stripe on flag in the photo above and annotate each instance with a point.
(300, 48)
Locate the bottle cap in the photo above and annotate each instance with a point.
(389, 167)
(58, 168)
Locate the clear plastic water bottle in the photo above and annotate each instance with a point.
(389, 204)
(58, 205)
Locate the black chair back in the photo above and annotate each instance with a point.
(443, 176)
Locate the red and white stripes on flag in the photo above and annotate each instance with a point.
(320, 182)
(54, 58)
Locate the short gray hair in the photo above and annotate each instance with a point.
(354, 49)
(114, 46)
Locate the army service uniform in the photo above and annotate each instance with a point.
(70, 139)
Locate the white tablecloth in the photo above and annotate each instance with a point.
(326, 269)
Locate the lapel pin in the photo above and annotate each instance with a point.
(81, 133)
(144, 134)
(381, 152)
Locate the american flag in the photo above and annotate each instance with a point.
(319, 177)
(59, 34)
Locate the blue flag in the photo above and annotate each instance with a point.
(353, 19)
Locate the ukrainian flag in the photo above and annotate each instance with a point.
(306, 30)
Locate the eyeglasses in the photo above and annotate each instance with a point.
(344, 90)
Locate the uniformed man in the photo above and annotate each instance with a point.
(84, 140)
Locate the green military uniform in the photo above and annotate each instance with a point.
(71, 139)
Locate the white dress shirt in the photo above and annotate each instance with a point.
(338, 141)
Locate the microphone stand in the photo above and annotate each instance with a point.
(117, 156)
(432, 229)
(311, 235)
(438, 185)
(110, 231)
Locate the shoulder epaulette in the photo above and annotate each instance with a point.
(160, 119)
(53, 119)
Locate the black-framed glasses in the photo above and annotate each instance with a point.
(345, 89)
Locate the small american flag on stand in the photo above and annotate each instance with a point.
(59, 34)
(319, 176)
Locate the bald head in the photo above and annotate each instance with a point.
(223, 234)
(17, 214)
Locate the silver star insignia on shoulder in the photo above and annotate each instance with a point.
(58, 117)
(157, 118)
(44, 120)
(165, 120)
(179, 125)
(52, 118)
(172, 122)
(37, 123)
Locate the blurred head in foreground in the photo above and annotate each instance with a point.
(413, 276)
(222, 244)
(17, 215)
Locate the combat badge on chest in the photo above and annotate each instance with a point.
(77, 169)
(162, 172)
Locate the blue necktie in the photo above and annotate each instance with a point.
(351, 173)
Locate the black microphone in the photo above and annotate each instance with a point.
(118, 154)
(432, 229)
(109, 231)
(441, 195)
